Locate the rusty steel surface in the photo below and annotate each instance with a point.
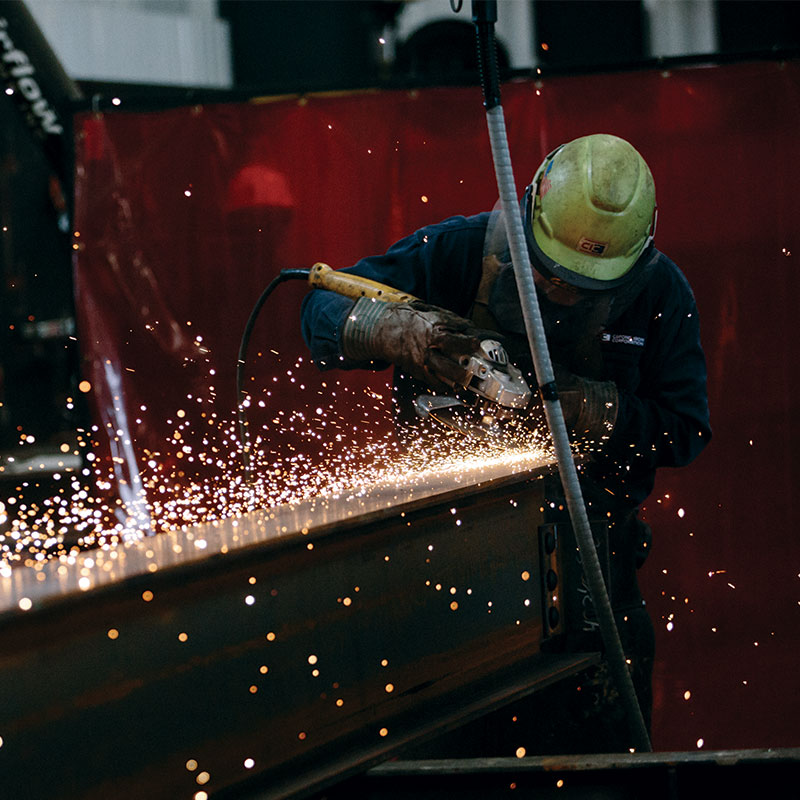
(294, 647)
(49, 582)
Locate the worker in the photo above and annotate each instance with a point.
(621, 323)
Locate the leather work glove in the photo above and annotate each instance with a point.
(424, 341)
(589, 407)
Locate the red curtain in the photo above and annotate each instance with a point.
(184, 215)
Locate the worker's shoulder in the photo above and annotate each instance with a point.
(474, 225)
(668, 281)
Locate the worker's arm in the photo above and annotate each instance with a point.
(439, 264)
(662, 415)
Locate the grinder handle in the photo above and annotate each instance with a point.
(322, 276)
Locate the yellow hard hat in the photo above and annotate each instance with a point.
(591, 210)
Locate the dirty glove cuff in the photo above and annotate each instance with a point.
(590, 407)
(425, 341)
(357, 338)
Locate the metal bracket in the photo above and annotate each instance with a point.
(552, 607)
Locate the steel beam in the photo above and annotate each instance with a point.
(655, 776)
(283, 650)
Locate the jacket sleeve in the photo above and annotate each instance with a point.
(664, 421)
(439, 264)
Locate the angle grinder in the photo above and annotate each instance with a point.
(496, 388)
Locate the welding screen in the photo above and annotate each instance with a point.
(183, 215)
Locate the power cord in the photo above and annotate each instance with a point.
(241, 395)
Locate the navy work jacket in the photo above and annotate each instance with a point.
(651, 351)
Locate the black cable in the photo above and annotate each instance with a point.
(283, 275)
(484, 15)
